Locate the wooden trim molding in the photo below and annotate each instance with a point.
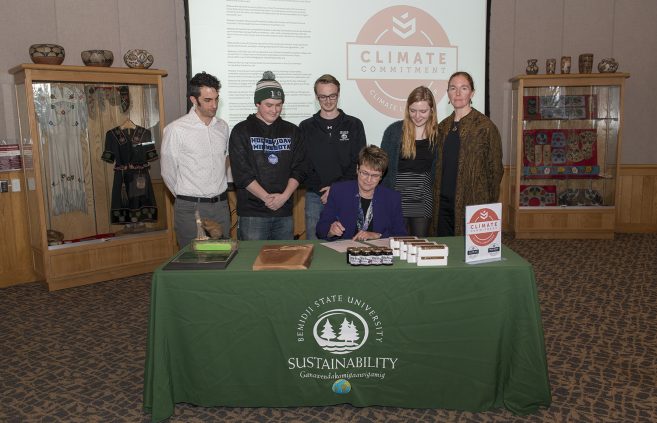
(636, 210)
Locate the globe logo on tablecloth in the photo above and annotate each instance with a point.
(341, 386)
(340, 331)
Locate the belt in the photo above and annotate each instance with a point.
(221, 197)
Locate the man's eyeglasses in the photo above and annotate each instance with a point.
(327, 97)
(368, 175)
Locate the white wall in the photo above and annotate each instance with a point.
(117, 25)
(623, 29)
(520, 29)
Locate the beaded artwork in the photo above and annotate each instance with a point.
(538, 195)
(555, 153)
(560, 107)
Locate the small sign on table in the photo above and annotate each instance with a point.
(483, 233)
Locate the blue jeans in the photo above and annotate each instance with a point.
(264, 228)
(314, 207)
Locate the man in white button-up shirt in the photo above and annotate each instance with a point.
(194, 160)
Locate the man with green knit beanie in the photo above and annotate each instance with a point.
(267, 163)
(268, 87)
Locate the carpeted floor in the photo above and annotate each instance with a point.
(77, 355)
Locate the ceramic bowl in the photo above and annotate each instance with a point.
(608, 65)
(97, 57)
(47, 54)
(138, 58)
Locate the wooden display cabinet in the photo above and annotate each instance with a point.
(64, 115)
(565, 150)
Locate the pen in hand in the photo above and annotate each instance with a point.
(336, 228)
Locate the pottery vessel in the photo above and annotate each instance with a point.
(550, 66)
(102, 58)
(565, 64)
(47, 54)
(585, 63)
(138, 59)
(608, 65)
(532, 67)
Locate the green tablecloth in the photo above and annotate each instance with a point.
(463, 337)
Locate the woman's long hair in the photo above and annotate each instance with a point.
(408, 131)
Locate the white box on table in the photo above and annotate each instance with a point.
(432, 255)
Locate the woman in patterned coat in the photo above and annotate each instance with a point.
(469, 169)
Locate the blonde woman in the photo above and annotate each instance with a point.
(411, 146)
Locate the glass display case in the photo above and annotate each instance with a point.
(96, 204)
(565, 152)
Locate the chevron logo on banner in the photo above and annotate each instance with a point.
(397, 49)
(404, 30)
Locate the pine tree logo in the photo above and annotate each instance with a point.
(340, 331)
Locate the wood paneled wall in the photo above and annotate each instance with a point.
(636, 212)
(637, 199)
(15, 251)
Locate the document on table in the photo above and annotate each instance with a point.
(341, 246)
(381, 242)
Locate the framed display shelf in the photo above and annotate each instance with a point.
(96, 206)
(565, 150)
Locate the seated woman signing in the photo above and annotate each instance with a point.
(362, 210)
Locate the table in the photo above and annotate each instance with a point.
(464, 336)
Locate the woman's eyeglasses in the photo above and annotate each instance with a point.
(368, 175)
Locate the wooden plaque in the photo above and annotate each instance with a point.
(284, 257)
